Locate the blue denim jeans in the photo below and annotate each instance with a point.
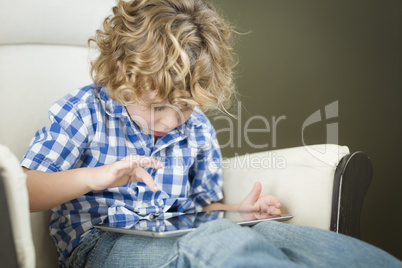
(222, 243)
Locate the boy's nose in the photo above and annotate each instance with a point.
(169, 119)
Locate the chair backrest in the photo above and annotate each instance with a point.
(43, 56)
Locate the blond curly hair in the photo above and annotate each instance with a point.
(181, 48)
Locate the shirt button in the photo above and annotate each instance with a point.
(145, 205)
(151, 217)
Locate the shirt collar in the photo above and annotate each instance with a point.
(112, 108)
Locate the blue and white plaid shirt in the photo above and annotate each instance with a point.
(88, 129)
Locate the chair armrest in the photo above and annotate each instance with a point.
(303, 181)
(8, 254)
(14, 181)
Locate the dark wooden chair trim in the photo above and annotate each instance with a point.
(352, 179)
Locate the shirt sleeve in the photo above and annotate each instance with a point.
(59, 145)
(206, 174)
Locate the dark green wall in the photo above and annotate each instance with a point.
(300, 56)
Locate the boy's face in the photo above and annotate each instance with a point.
(157, 119)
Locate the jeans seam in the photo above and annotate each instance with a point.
(76, 260)
(170, 261)
(94, 248)
(200, 263)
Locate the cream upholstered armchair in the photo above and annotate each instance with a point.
(44, 55)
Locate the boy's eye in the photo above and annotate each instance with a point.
(163, 107)
(159, 108)
(187, 109)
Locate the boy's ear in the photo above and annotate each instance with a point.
(118, 65)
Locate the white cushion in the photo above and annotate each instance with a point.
(46, 252)
(51, 21)
(17, 197)
(32, 78)
(302, 181)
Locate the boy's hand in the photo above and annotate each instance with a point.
(263, 204)
(124, 171)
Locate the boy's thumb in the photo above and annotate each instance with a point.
(255, 193)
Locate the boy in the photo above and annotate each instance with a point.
(158, 61)
(135, 145)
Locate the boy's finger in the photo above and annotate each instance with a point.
(272, 201)
(142, 175)
(274, 211)
(253, 196)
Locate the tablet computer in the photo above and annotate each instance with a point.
(182, 224)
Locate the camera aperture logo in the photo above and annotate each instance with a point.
(332, 131)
